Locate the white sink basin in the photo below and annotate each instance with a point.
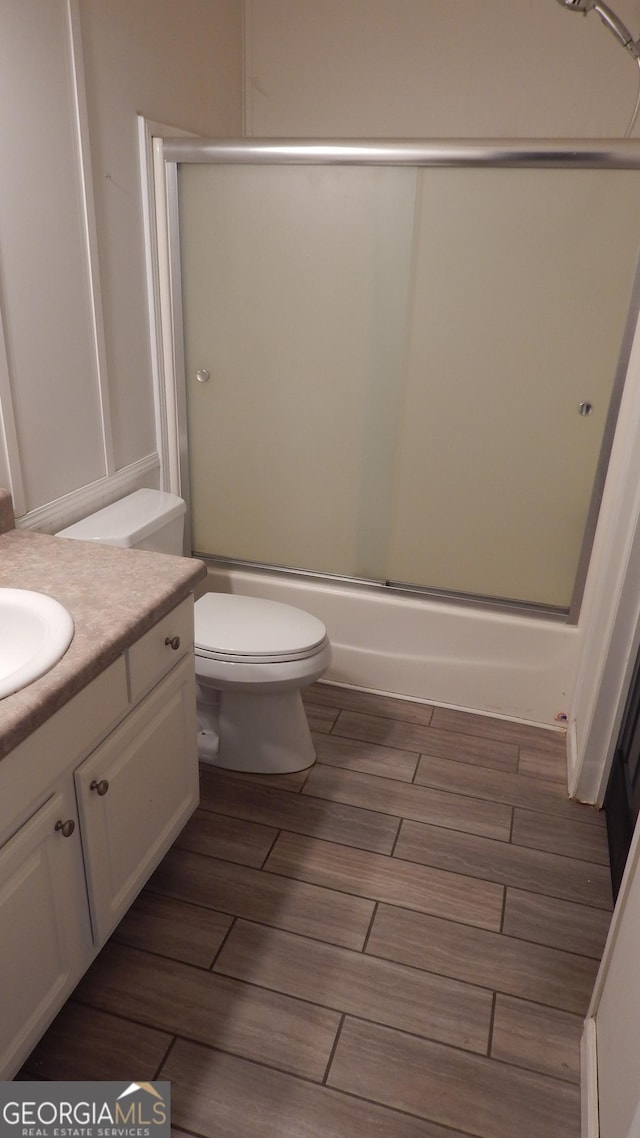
(35, 632)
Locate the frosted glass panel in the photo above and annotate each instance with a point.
(295, 293)
(396, 360)
(521, 289)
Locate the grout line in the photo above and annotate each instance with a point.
(369, 931)
(504, 910)
(333, 1049)
(492, 1018)
(392, 852)
(170, 1047)
(269, 851)
(223, 943)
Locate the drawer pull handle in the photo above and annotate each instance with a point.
(173, 642)
(101, 787)
(66, 828)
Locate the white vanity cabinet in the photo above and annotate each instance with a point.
(89, 804)
(45, 934)
(135, 793)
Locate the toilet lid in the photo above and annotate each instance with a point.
(252, 629)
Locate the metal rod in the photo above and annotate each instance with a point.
(564, 153)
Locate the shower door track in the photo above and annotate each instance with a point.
(395, 588)
(169, 153)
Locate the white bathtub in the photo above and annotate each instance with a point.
(499, 664)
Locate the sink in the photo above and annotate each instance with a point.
(35, 632)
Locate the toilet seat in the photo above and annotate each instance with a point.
(251, 630)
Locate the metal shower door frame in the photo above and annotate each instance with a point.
(530, 154)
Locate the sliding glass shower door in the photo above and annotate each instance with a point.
(403, 374)
(295, 291)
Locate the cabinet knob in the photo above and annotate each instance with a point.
(66, 828)
(101, 787)
(173, 642)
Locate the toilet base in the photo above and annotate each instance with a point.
(245, 731)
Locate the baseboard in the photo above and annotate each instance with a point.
(72, 507)
(573, 768)
(589, 1081)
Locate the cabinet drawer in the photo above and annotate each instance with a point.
(157, 652)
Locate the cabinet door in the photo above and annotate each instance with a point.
(45, 937)
(135, 793)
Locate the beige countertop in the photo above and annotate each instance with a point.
(114, 596)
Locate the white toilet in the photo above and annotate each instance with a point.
(253, 656)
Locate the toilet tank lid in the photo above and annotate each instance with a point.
(129, 520)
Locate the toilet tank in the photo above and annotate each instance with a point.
(146, 519)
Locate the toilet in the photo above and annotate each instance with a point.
(253, 656)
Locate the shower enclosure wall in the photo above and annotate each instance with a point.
(400, 365)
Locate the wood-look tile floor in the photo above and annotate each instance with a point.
(400, 941)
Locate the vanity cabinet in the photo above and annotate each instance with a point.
(89, 804)
(135, 793)
(45, 934)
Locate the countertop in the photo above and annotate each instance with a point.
(114, 596)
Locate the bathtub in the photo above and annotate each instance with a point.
(496, 663)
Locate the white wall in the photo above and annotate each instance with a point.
(50, 373)
(178, 63)
(436, 69)
(76, 392)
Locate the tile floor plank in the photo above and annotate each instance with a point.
(351, 699)
(212, 1009)
(543, 764)
(453, 1088)
(368, 758)
(542, 1039)
(428, 740)
(272, 807)
(508, 731)
(560, 836)
(533, 972)
(221, 1096)
(388, 879)
(423, 804)
(85, 1043)
(293, 782)
(172, 928)
(319, 718)
(558, 924)
(240, 891)
(535, 870)
(365, 986)
(503, 786)
(232, 839)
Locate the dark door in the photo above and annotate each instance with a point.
(622, 800)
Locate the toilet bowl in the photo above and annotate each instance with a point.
(253, 656)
